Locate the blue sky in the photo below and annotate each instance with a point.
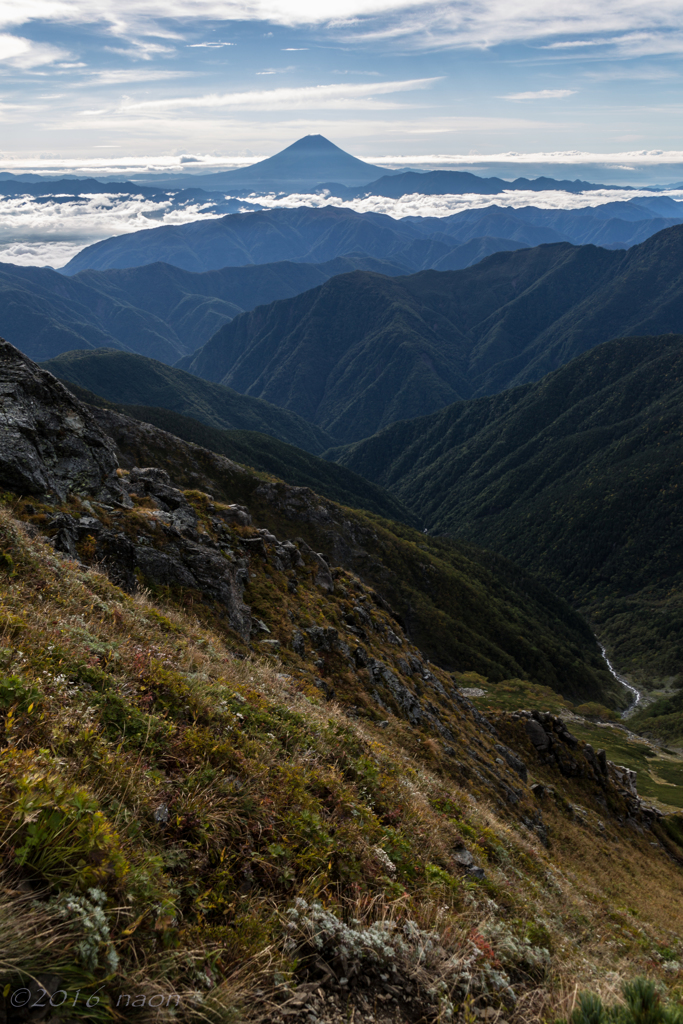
(585, 88)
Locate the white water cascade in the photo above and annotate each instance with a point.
(620, 679)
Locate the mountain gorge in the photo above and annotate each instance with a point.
(575, 477)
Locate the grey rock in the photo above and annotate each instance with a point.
(161, 814)
(50, 442)
(323, 639)
(360, 657)
(477, 872)
(463, 857)
(513, 761)
(537, 735)
(407, 701)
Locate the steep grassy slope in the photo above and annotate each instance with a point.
(362, 351)
(188, 819)
(182, 801)
(235, 790)
(576, 477)
(128, 379)
(468, 610)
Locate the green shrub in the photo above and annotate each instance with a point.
(643, 1006)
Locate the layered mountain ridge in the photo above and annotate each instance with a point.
(315, 235)
(363, 351)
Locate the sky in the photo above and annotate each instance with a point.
(511, 87)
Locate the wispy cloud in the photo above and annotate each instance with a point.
(570, 158)
(142, 49)
(540, 94)
(277, 71)
(417, 24)
(208, 46)
(572, 44)
(123, 76)
(340, 96)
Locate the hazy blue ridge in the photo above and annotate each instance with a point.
(315, 235)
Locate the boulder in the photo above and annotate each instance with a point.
(537, 735)
(463, 857)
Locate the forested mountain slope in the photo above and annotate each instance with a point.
(128, 379)
(363, 351)
(576, 477)
(155, 310)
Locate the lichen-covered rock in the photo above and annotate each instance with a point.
(50, 442)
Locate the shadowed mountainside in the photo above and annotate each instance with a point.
(576, 477)
(127, 379)
(363, 351)
(155, 310)
(266, 454)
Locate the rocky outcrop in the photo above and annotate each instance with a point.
(50, 443)
(184, 557)
(556, 747)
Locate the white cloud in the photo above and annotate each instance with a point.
(25, 54)
(122, 76)
(341, 96)
(445, 206)
(639, 158)
(53, 232)
(571, 44)
(541, 94)
(38, 254)
(208, 46)
(416, 24)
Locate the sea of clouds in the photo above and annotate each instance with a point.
(49, 231)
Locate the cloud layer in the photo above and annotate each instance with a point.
(53, 231)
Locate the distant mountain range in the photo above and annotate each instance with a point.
(311, 235)
(440, 183)
(577, 478)
(155, 310)
(363, 351)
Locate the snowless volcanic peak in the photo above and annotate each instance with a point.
(306, 162)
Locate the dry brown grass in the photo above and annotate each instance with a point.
(605, 904)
